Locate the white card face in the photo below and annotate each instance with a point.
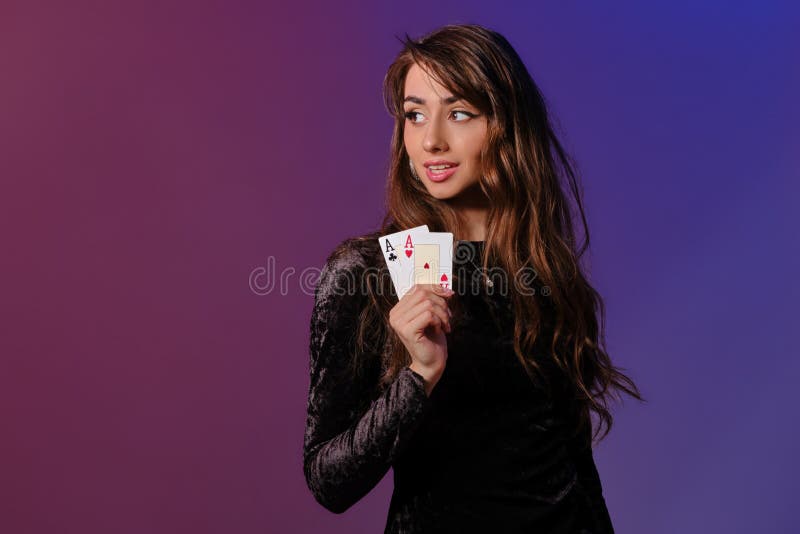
(426, 264)
(398, 251)
(433, 260)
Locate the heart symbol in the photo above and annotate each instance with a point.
(427, 266)
(444, 278)
(408, 253)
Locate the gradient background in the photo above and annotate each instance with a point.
(154, 156)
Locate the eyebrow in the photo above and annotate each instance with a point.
(418, 100)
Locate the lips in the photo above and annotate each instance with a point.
(436, 174)
(434, 162)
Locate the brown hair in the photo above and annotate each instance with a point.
(529, 220)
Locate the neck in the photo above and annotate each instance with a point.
(472, 208)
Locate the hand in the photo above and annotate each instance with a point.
(422, 319)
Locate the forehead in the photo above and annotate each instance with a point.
(419, 83)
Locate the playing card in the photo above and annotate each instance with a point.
(398, 251)
(433, 259)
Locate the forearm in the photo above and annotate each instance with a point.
(341, 470)
(430, 377)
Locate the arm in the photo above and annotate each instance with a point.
(589, 478)
(348, 448)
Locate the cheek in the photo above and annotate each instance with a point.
(471, 142)
(472, 151)
(408, 141)
(478, 140)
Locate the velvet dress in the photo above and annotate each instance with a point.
(488, 451)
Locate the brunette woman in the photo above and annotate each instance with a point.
(479, 398)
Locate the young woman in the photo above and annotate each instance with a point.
(479, 398)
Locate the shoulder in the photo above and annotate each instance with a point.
(347, 263)
(353, 253)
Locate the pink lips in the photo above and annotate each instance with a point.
(440, 176)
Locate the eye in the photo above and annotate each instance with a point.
(409, 115)
(467, 113)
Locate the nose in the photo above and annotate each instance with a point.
(435, 138)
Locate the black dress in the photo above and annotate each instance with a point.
(486, 452)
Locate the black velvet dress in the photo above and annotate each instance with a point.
(486, 452)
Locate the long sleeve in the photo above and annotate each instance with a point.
(589, 478)
(351, 439)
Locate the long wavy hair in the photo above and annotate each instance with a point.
(525, 172)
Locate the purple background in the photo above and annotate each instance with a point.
(154, 157)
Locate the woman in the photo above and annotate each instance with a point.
(479, 398)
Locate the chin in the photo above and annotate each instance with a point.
(441, 193)
(445, 190)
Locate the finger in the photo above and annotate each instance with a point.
(436, 299)
(430, 301)
(441, 296)
(423, 321)
(413, 296)
(423, 292)
(416, 293)
(440, 310)
(435, 289)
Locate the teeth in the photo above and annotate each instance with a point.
(438, 167)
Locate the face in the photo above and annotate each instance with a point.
(439, 127)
